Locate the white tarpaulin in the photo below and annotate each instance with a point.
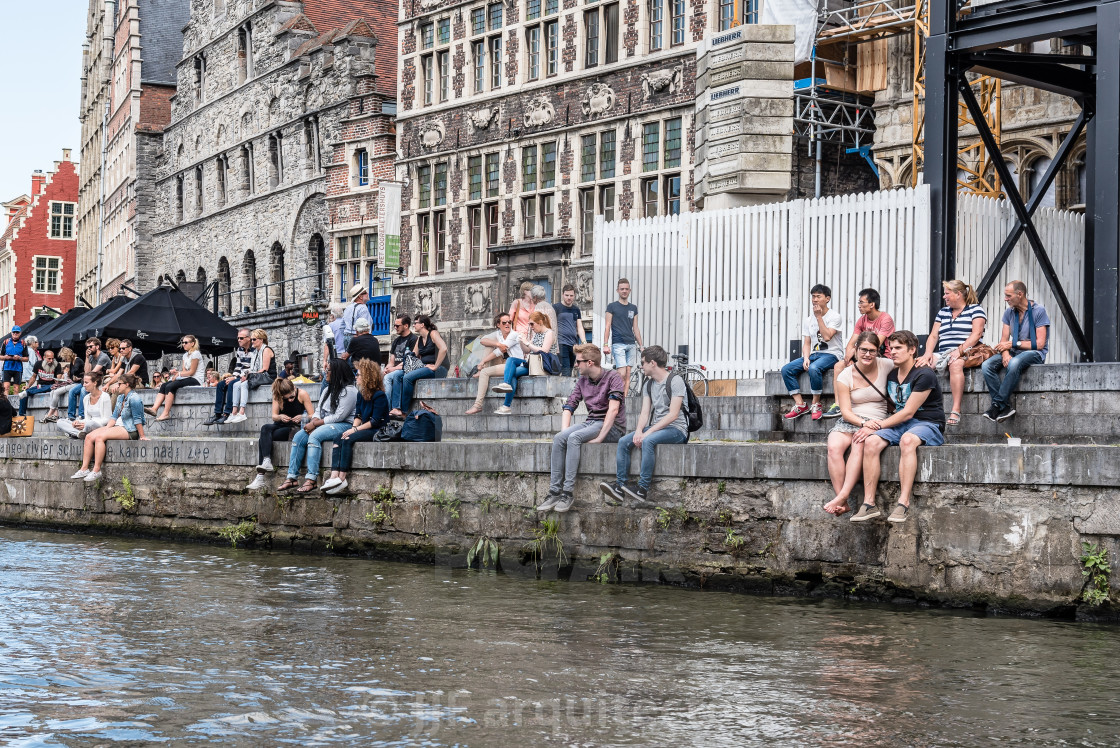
(802, 15)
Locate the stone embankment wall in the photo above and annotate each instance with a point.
(995, 527)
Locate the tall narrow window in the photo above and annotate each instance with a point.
(427, 36)
(610, 31)
(179, 197)
(529, 217)
(198, 206)
(275, 159)
(552, 47)
(491, 217)
(496, 61)
(676, 9)
(548, 214)
(478, 20)
(672, 195)
(424, 229)
(244, 53)
(200, 79)
(606, 201)
(495, 13)
(649, 197)
(478, 54)
(311, 143)
(657, 24)
(492, 175)
(424, 183)
(591, 32)
(443, 31)
(444, 74)
(587, 218)
(532, 9)
(726, 13)
(529, 168)
(533, 48)
(428, 65)
(650, 137)
(672, 143)
(548, 165)
(440, 226)
(440, 185)
(474, 219)
(221, 169)
(361, 164)
(606, 155)
(587, 158)
(474, 177)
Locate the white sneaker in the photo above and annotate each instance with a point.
(266, 465)
(338, 489)
(91, 477)
(503, 387)
(503, 410)
(237, 418)
(79, 475)
(258, 482)
(331, 483)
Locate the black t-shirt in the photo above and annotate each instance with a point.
(364, 347)
(45, 378)
(920, 379)
(402, 344)
(77, 369)
(142, 372)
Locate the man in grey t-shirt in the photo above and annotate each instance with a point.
(622, 340)
(1025, 341)
(663, 421)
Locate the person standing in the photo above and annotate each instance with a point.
(358, 310)
(13, 352)
(919, 418)
(1025, 341)
(569, 321)
(521, 308)
(398, 351)
(622, 340)
(601, 390)
(822, 345)
(493, 363)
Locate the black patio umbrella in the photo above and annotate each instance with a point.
(39, 321)
(46, 332)
(158, 320)
(70, 333)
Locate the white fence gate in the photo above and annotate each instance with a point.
(734, 284)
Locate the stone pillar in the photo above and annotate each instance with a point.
(744, 116)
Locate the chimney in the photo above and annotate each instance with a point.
(37, 180)
(65, 154)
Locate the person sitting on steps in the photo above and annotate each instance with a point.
(870, 319)
(127, 423)
(291, 406)
(371, 413)
(97, 408)
(1024, 342)
(958, 326)
(331, 419)
(541, 338)
(822, 345)
(493, 363)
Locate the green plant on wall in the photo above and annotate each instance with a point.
(486, 550)
(239, 532)
(381, 514)
(1096, 569)
(734, 541)
(383, 493)
(126, 497)
(608, 568)
(447, 503)
(547, 538)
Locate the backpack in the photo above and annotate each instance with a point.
(422, 426)
(693, 412)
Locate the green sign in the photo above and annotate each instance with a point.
(392, 251)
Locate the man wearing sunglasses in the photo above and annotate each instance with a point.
(394, 372)
(239, 364)
(493, 363)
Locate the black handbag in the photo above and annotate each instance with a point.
(390, 432)
(260, 379)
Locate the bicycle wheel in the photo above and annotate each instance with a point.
(636, 378)
(697, 379)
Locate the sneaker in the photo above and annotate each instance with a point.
(833, 411)
(866, 512)
(798, 410)
(502, 387)
(237, 418)
(258, 483)
(549, 501)
(901, 511)
(503, 410)
(613, 492)
(331, 483)
(637, 494)
(221, 419)
(818, 411)
(211, 420)
(266, 465)
(341, 487)
(564, 504)
(79, 475)
(90, 478)
(991, 413)
(1006, 413)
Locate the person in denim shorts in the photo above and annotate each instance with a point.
(621, 323)
(919, 418)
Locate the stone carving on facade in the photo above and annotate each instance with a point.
(428, 301)
(662, 81)
(481, 119)
(430, 134)
(478, 299)
(539, 112)
(598, 99)
(426, 5)
(584, 286)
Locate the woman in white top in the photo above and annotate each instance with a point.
(539, 340)
(263, 361)
(861, 394)
(185, 377)
(98, 408)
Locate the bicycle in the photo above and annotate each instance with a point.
(695, 375)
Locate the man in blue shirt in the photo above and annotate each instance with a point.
(1025, 341)
(13, 353)
(622, 340)
(570, 320)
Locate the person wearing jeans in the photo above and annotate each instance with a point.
(432, 352)
(492, 364)
(540, 341)
(664, 420)
(1025, 341)
(331, 419)
(822, 346)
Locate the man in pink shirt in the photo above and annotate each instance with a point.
(870, 319)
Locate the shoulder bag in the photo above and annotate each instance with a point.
(536, 365)
(977, 355)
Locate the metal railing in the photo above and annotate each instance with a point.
(276, 294)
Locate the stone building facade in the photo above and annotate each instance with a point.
(128, 80)
(268, 94)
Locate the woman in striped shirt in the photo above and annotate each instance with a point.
(958, 326)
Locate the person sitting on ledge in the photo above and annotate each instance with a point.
(291, 406)
(861, 394)
(370, 415)
(663, 420)
(432, 352)
(289, 370)
(493, 363)
(919, 418)
(822, 345)
(601, 390)
(185, 377)
(958, 326)
(870, 319)
(398, 351)
(97, 408)
(1024, 342)
(60, 393)
(127, 423)
(239, 362)
(331, 419)
(541, 338)
(262, 367)
(44, 375)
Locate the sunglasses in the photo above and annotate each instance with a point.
(583, 360)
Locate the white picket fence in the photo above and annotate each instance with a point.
(734, 284)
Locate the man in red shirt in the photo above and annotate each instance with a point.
(870, 319)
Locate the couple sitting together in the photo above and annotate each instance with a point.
(525, 355)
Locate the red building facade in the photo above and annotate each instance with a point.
(38, 248)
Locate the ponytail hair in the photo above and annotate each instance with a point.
(964, 289)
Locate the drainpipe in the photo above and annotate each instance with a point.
(109, 18)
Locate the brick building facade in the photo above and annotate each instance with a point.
(38, 247)
(272, 101)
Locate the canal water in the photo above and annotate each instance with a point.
(136, 642)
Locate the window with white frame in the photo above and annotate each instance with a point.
(486, 47)
(542, 40)
(676, 17)
(661, 160)
(538, 185)
(62, 220)
(600, 35)
(355, 260)
(597, 162)
(47, 272)
(657, 24)
(431, 224)
(748, 12)
(361, 167)
(483, 188)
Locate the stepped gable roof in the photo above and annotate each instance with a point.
(10, 231)
(381, 18)
(299, 23)
(312, 44)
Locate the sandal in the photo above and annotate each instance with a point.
(288, 485)
(954, 418)
(307, 487)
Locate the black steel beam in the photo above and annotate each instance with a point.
(973, 33)
(1059, 161)
(1047, 76)
(1020, 209)
(940, 150)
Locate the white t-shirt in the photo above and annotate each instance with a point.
(513, 343)
(187, 358)
(811, 330)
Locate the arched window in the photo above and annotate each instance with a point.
(1035, 174)
(224, 300)
(200, 276)
(317, 261)
(276, 272)
(180, 277)
(249, 269)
